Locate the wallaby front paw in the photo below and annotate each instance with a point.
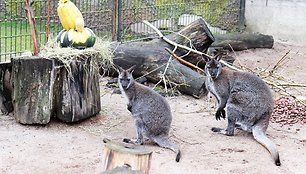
(220, 114)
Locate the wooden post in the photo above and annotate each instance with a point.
(118, 155)
(33, 79)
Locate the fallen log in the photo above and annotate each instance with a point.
(242, 41)
(151, 58)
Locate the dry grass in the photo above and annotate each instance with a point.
(101, 54)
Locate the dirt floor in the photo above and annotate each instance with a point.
(77, 148)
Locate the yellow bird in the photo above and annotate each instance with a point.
(68, 14)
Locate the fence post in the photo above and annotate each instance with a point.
(114, 30)
(119, 20)
(48, 21)
(241, 21)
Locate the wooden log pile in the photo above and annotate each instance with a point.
(153, 61)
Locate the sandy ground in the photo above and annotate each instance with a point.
(77, 148)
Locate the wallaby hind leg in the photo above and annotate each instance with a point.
(164, 142)
(139, 131)
(229, 131)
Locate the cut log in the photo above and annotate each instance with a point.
(151, 58)
(243, 41)
(32, 96)
(77, 90)
(122, 154)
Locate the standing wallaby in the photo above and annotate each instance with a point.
(150, 110)
(246, 101)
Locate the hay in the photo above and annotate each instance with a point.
(101, 53)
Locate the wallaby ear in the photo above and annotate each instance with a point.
(218, 56)
(131, 69)
(206, 58)
(118, 68)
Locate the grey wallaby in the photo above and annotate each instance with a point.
(245, 99)
(150, 110)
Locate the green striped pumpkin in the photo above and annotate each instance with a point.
(79, 40)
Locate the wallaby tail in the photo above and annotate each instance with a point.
(262, 138)
(165, 143)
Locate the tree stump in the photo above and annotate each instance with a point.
(33, 79)
(77, 90)
(118, 155)
(46, 87)
(6, 89)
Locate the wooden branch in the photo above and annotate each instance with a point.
(48, 20)
(184, 61)
(277, 65)
(292, 84)
(185, 47)
(33, 27)
(173, 43)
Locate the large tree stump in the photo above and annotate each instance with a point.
(77, 91)
(151, 58)
(33, 79)
(46, 87)
(118, 155)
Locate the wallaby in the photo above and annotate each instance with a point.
(150, 110)
(245, 99)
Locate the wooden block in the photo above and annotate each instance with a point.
(33, 79)
(122, 154)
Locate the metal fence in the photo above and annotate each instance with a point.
(113, 19)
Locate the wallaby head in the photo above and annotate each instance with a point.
(125, 78)
(213, 67)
